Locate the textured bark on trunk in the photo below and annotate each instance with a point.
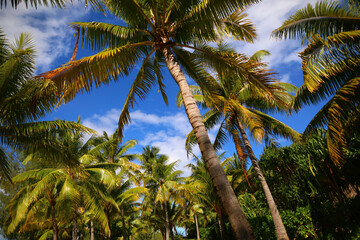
(197, 227)
(123, 224)
(224, 190)
(75, 228)
(54, 222)
(167, 223)
(241, 156)
(280, 230)
(92, 234)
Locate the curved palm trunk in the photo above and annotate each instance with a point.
(197, 227)
(53, 219)
(279, 226)
(224, 190)
(240, 154)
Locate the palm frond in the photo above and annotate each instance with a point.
(325, 19)
(101, 68)
(145, 79)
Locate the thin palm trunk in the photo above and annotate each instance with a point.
(280, 230)
(197, 227)
(53, 219)
(92, 234)
(123, 224)
(185, 231)
(167, 223)
(241, 156)
(75, 228)
(153, 234)
(224, 190)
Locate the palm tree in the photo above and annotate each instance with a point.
(65, 181)
(330, 64)
(152, 34)
(23, 100)
(238, 105)
(163, 182)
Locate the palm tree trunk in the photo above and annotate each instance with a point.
(224, 190)
(185, 231)
(92, 235)
(123, 224)
(197, 228)
(74, 230)
(280, 230)
(53, 219)
(167, 223)
(153, 234)
(241, 156)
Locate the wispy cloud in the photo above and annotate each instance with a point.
(49, 28)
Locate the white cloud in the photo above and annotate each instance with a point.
(49, 28)
(285, 78)
(267, 16)
(177, 123)
(167, 132)
(107, 122)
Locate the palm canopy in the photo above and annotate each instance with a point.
(64, 179)
(146, 27)
(24, 100)
(234, 97)
(330, 65)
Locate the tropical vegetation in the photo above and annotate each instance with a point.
(62, 180)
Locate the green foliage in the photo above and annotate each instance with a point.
(311, 192)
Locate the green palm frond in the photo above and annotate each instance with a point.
(145, 79)
(277, 128)
(334, 115)
(259, 55)
(19, 65)
(69, 197)
(325, 19)
(240, 28)
(98, 36)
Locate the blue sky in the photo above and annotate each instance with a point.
(154, 123)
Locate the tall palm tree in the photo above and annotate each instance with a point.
(330, 64)
(238, 105)
(23, 100)
(153, 34)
